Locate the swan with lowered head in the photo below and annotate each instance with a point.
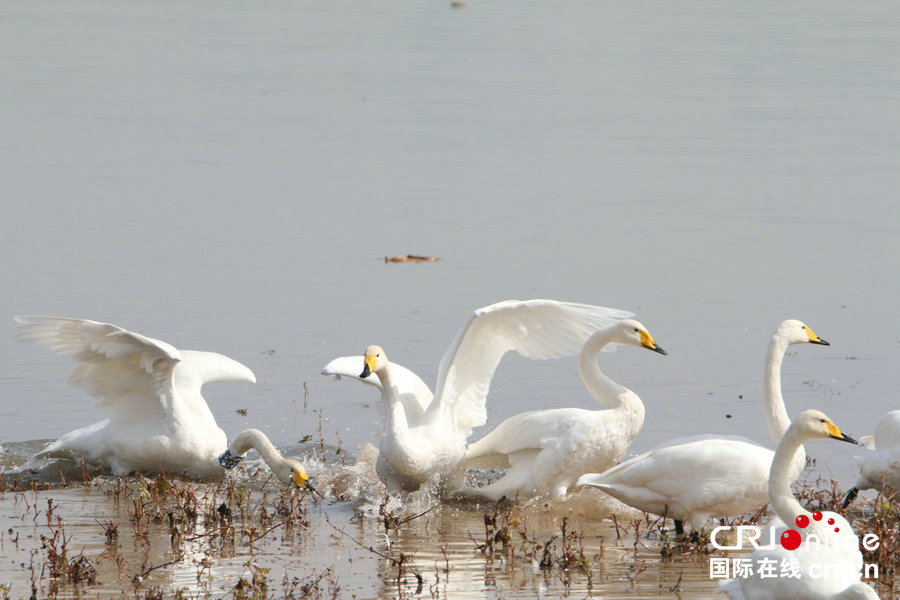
(429, 445)
(151, 390)
(287, 470)
(545, 451)
(695, 478)
(882, 466)
(829, 566)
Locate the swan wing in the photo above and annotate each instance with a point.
(128, 373)
(532, 430)
(414, 393)
(537, 329)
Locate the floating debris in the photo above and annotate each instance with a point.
(410, 258)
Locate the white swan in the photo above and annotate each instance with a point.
(157, 417)
(882, 466)
(828, 569)
(287, 470)
(419, 448)
(695, 478)
(545, 451)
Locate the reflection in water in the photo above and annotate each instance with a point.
(420, 547)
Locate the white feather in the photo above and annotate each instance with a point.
(695, 478)
(547, 450)
(158, 418)
(418, 449)
(882, 465)
(828, 570)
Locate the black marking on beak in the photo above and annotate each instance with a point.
(819, 341)
(844, 438)
(851, 496)
(660, 350)
(366, 372)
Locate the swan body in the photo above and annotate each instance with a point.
(545, 451)
(421, 448)
(829, 569)
(287, 470)
(151, 390)
(698, 477)
(882, 465)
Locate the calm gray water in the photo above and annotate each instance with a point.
(229, 176)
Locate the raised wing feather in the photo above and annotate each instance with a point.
(532, 430)
(537, 329)
(120, 368)
(414, 393)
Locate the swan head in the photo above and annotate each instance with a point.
(814, 424)
(287, 469)
(797, 332)
(291, 470)
(634, 333)
(374, 359)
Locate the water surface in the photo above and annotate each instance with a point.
(229, 176)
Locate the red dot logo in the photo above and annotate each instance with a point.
(790, 540)
(831, 521)
(802, 521)
(817, 516)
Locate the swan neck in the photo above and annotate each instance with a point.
(780, 478)
(397, 422)
(777, 419)
(776, 414)
(606, 391)
(254, 439)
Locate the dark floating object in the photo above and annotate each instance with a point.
(410, 258)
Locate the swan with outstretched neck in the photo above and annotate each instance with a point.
(151, 390)
(545, 451)
(287, 470)
(698, 477)
(829, 565)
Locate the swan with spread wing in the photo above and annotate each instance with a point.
(428, 441)
(546, 451)
(151, 390)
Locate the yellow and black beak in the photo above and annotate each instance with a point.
(837, 434)
(814, 339)
(301, 479)
(648, 343)
(369, 366)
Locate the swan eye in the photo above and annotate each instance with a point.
(636, 329)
